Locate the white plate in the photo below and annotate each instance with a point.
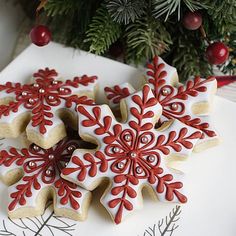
(210, 178)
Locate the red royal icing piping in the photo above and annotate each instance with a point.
(44, 94)
(156, 77)
(116, 93)
(42, 167)
(132, 153)
(172, 107)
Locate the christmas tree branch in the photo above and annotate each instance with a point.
(102, 32)
(168, 7)
(126, 11)
(146, 37)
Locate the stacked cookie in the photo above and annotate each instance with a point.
(42, 109)
(162, 121)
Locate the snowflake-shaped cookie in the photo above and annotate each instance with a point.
(189, 104)
(41, 106)
(131, 154)
(39, 173)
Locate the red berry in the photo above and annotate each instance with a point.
(192, 20)
(217, 53)
(40, 35)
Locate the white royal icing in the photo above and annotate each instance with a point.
(90, 131)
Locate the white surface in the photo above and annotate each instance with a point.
(210, 179)
(228, 91)
(10, 19)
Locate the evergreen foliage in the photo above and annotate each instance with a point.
(186, 57)
(145, 28)
(126, 11)
(168, 7)
(146, 37)
(102, 32)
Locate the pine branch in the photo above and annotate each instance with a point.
(103, 31)
(61, 7)
(223, 14)
(168, 7)
(146, 37)
(230, 67)
(188, 55)
(194, 5)
(220, 25)
(166, 225)
(124, 11)
(69, 20)
(170, 222)
(81, 24)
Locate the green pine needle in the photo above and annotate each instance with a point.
(146, 37)
(61, 7)
(126, 11)
(189, 56)
(194, 5)
(168, 7)
(223, 14)
(145, 28)
(103, 31)
(230, 67)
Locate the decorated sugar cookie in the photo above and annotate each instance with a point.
(130, 154)
(35, 175)
(189, 104)
(41, 106)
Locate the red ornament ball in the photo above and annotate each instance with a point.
(217, 53)
(192, 20)
(40, 35)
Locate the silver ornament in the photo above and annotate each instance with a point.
(36, 148)
(54, 82)
(139, 170)
(165, 91)
(48, 172)
(120, 165)
(174, 106)
(71, 148)
(116, 149)
(51, 157)
(31, 164)
(41, 90)
(31, 100)
(144, 139)
(133, 154)
(24, 93)
(127, 137)
(151, 158)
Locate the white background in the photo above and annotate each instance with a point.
(11, 18)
